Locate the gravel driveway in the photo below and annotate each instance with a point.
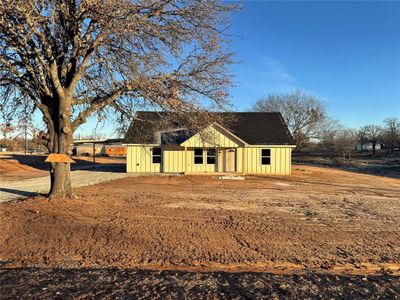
(10, 190)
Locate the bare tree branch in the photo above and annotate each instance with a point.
(74, 59)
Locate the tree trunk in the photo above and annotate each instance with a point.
(60, 179)
(373, 148)
(61, 143)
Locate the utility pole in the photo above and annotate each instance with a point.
(94, 152)
(26, 140)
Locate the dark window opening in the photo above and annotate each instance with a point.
(265, 152)
(265, 156)
(156, 155)
(198, 156)
(211, 156)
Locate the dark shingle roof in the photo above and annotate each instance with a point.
(255, 128)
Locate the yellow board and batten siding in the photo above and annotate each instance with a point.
(281, 157)
(248, 157)
(173, 158)
(139, 159)
(199, 168)
(212, 137)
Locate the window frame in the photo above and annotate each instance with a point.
(265, 156)
(198, 156)
(211, 156)
(156, 155)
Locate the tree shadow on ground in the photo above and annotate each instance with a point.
(42, 283)
(19, 192)
(38, 162)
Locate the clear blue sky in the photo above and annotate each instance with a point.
(345, 52)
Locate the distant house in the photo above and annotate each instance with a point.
(253, 143)
(367, 146)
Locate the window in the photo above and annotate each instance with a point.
(198, 156)
(265, 156)
(211, 156)
(156, 155)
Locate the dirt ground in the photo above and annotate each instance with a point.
(28, 175)
(320, 220)
(382, 164)
(12, 169)
(37, 283)
(19, 166)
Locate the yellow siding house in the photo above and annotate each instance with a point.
(255, 143)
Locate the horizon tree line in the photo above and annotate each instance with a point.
(309, 123)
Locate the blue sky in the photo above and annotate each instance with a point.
(345, 52)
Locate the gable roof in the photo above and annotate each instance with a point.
(254, 128)
(214, 135)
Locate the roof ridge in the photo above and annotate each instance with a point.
(256, 128)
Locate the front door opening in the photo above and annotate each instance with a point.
(229, 156)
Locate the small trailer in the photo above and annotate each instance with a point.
(115, 150)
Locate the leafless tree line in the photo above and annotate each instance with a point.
(387, 134)
(342, 142)
(307, 120)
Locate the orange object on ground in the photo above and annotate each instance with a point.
(59, 158)
(115, 150)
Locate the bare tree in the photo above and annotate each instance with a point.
(303, 113)
(73, 59)
(391, 132)
(362, 137)
(374, 134)
(339, 141)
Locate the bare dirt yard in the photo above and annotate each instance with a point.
(28, 175)
(19, 166)
(338, 225)
(383, 163)
(11, 168)
(56, 283)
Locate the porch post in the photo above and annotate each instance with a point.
(244, 160)
(185, 168)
